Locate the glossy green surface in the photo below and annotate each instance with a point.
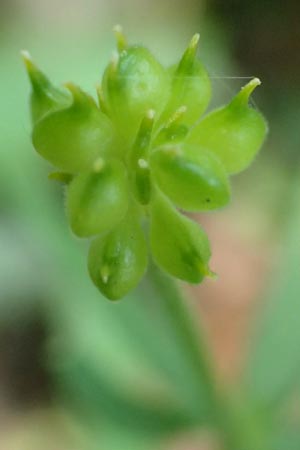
(193, 178)
(133, 83)
(44, 97)
(179, 245)
(190, 86)
(97, 201)
(118, 260)
(74, 137)
(234, 133)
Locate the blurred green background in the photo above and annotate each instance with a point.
(80, 373)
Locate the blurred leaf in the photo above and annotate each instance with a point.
(128, 361)
(286, 436)
(274, 366)
(114, 438)
(287, 441)
(90, 329)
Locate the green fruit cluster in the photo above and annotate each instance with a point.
(139, 153)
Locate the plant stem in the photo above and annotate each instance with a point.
(234, 421)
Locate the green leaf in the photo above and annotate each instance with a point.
(287, 439)
(274, 366)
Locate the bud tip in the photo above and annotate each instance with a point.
(117, 28)
(120, 38)
(28, 61)
(26, 55)
(194, 41)
(253, 83)
(242, 98)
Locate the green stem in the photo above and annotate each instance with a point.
(186, 327)
(233, 419)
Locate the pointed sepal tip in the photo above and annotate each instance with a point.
(190, 53)
(243, 96)
(120, 38)
(36, 77)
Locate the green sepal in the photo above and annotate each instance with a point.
(97, 201)
(234, 133)
(74, 137)
(118, 260)
(138, 160)
(191, 86)
(193, 178)
(179, 245)
(133, 83)
(121, 39)
(44, 97)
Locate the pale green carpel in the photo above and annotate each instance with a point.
(118, 260)
(234, 133)
(179, 245)
(133, 83)
(45, 97)
(192, 177)
(73, 138)
(97, 200)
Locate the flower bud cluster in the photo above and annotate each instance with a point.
(137, 155)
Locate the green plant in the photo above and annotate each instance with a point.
(140, 154)
(139, 368)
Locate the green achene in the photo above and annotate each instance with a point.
(192, 177)
(129, 159)
(74, 137)
(98, 200)
(234, 133)
(178, 244)
(118, 260)
(133, 83)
